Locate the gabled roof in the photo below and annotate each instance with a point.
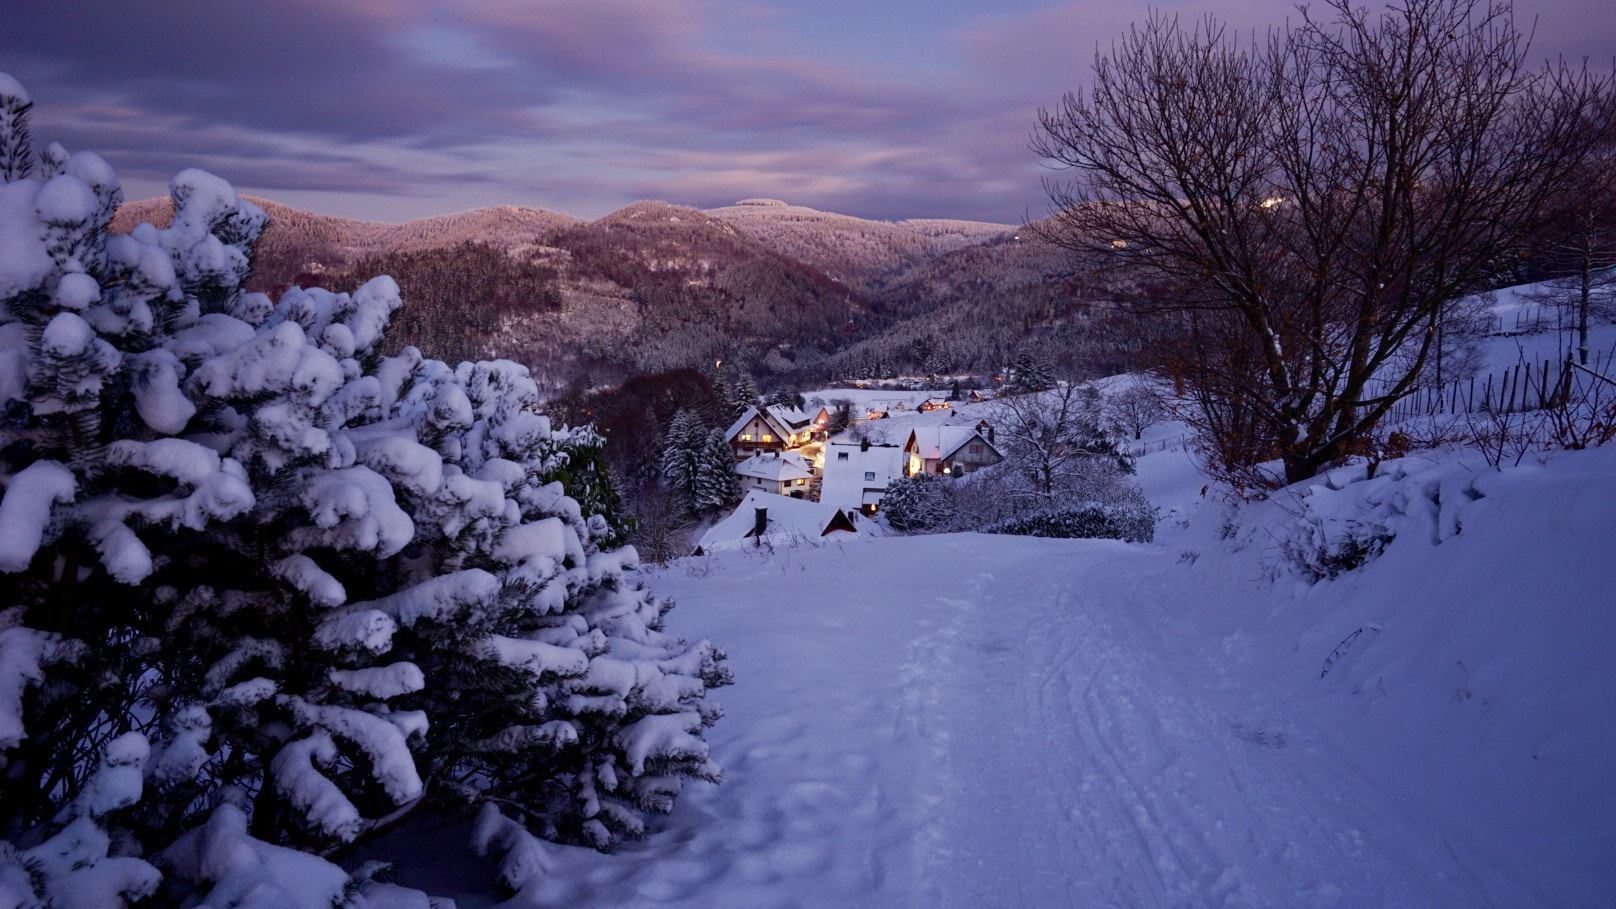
(843, 482)
(775, 466)
(783, 421)
(790, 417)
(790, 521)
(878, 432)
(935, 443)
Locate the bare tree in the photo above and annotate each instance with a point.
(1055, 444)
(1136, 407)
(1582, 237)
(1312, 204)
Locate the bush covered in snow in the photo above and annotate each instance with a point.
(919, 503)
(268, 592)
(1134, 522)
(1110, 506)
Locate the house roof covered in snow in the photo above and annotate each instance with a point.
(789, 522)
(775, 466)
(785, 421)
(865, 469)
(934, 443)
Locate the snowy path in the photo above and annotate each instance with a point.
(989, 721)
(1103, 764)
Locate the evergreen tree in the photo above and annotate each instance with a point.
(714, 483)
(743, 393)
(16, 152)
(785, 397)
(268, 586)
(919, 503)
(681, 457)
(1033, 371)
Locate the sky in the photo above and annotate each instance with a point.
(396, 109)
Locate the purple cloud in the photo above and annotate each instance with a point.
(384, 109)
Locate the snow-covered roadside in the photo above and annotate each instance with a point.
(995, 721)
(1469, 668)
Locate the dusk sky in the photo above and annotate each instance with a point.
(395, 109)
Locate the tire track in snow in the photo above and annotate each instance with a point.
(1107, 767)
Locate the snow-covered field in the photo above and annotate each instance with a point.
(971, 720)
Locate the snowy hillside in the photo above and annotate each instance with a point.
(967, 720)
(993, 721)
(295, 240)
(855, 251)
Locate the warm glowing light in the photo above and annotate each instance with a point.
(1273, 202)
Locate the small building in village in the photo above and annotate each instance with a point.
(856, 472)
(782, 473)
(771, 427)
(942, 449)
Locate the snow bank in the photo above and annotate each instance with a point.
(960, 720)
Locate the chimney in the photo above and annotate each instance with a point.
(760, 523)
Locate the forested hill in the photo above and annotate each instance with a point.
(298, 242)
(855, 251)
(782, 290)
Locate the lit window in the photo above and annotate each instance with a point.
(768, 438)
(746, 437)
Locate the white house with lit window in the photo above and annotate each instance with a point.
(855, 473)
(770, 428)
(941, 449)
(782, 473)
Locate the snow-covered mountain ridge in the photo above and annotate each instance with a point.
(654, 286)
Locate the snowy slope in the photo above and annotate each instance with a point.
(990, 721)
(969, 720)
(853, 250)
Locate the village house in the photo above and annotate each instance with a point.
(766, 519)
(772, 428)
(782, 473)
(856, 472)
(945, 449)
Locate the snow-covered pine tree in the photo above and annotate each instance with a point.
(741, 393)
(919, 503)
(269, 589)
(785, 397)
(714, 486)
(681, 456)
(1033, 371)
(16, 152)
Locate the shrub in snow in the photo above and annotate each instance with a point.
(918, 503)
(268, 591)
(1134, 522)
(1320, 549)
(1348, 519)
